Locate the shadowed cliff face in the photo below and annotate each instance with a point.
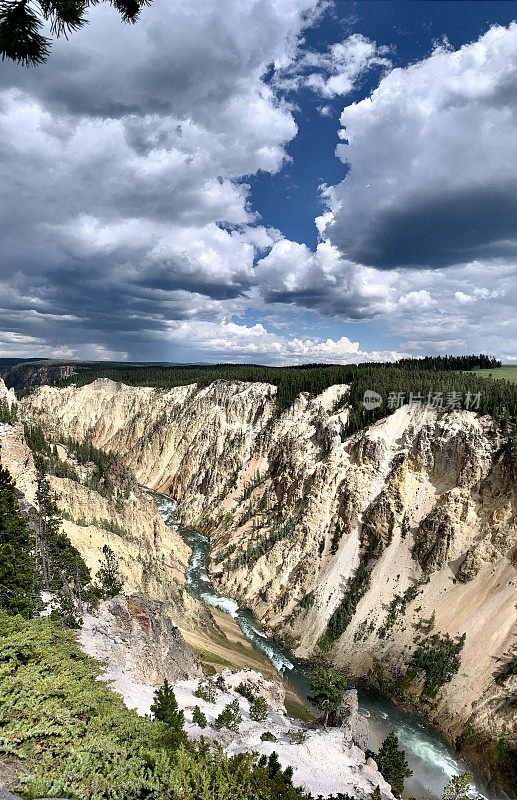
(410, 524)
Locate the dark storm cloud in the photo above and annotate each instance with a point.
(451, 228)
(330, 302)
(122, 206)
(125, 218)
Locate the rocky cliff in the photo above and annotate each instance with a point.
(135, 637)
(152, 556)
(361, 545)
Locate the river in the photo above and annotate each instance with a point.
(432, 760)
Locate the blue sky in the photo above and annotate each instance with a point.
(289, 199)
(277, 181)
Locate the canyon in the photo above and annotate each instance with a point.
(423, 502)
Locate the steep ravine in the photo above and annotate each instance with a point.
(432, 762)
(426, 501)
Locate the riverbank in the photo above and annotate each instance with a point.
(224, 645)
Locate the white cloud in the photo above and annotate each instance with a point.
(323, 280)
(239, 342)
(422, 231)
(416, 299)
(336, 72)
(433, 158)
(125, 211)
(123, 200)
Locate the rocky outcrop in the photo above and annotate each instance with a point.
(174, 441)
(353, 724)
(152, 556)
(423, 502)
(24, 377)
(134, 635)
(16, 456)
(7, 396)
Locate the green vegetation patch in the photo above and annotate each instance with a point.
(8, 415)
(76, 739)
(438, 657)
(72, 732)
(341, 618)
(507, 373)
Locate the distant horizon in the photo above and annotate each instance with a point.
(29, 359)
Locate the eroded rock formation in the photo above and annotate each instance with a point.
(404, 528)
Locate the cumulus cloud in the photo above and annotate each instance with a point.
(126, 218)
(324, 281)
(421, 232)
(433, 161)
(124, 200)
(336, 72)
(238, 342)
(469, 307)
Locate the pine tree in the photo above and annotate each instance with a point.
(21, 23)
(110, 582)
(392, 763)
(19, 575)
(328, 687)
(165, 708)
(230, 717)
(63, 571)
(8, 413)
(458, 787)
(199, 718)
(258, 709)
(206, 691)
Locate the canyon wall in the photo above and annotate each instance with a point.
(151, 556)
(359, 545)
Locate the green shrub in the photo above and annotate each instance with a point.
(230, 717)
(341, 618)
(198, 718)
(259, 709)
(73, 733)
(206, 691)
(438, 657)
(246, 690)
(297, 736)
(458, 787)
(267, 736)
